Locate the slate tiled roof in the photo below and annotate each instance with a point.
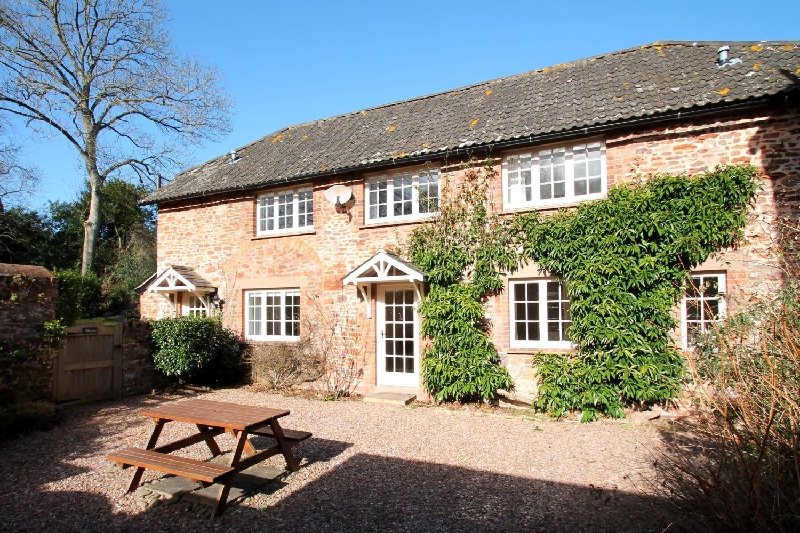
(591, 94)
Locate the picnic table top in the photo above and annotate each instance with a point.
(216, 414)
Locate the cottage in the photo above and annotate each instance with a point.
(312, 209)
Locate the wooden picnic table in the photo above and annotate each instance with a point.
(211, 419)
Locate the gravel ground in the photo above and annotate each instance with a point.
(368, 467)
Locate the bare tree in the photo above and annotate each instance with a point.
(16, 180)
(104, 75)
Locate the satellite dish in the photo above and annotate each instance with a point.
(339, 194)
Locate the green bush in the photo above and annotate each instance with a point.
(26, 417)
(197, 350)
(78, 296)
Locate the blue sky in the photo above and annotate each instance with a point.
(286, 63)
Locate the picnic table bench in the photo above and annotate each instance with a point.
(211, 419)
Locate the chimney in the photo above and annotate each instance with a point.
(722, 55)
(233, 156)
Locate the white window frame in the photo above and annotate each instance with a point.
(193, 305)
(702, 277)
(543, 319)
(257, 313)
(300, 200)
(390, 179)
(514, 194)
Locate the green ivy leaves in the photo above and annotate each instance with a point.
(625, 259)
(465, 251)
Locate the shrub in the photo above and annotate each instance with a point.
(337, 340)
(738, 465)
(283, 366)
(78, 296)
(26, 417)
(197, 350)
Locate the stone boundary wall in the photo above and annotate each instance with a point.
(138, 374)
(28, 297)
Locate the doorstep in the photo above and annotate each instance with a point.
(391, 397)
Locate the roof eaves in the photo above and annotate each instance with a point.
(509, 142)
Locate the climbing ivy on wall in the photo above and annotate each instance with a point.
(625, 259)
(465, 251)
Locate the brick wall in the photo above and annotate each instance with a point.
(217, 238)
(27, 300)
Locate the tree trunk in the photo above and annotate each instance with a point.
(91, 227)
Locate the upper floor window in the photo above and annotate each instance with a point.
(272, 314)
(285, 211)
(539, 314)
(703, 305)
(553, 176)
(402, 195)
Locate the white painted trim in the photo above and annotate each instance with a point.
(569, 199)
(542, 343)
(381, 376)
(380, 264)
(723, 305)
(174, 282)
(415, 202)
(366, 293)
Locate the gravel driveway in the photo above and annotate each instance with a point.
(368, 467)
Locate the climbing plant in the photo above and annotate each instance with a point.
(625, 259)
(465, 250)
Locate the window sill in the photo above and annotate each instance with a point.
(548, 207)
(402, 222)
(517, 350)
(276, 235)
(271, 339)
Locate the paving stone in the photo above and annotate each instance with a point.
(172, 486)
(245, 482)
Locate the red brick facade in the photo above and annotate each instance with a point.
(217, 236)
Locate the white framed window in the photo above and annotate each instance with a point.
(703, 305)
(285, 211)
(555, 175)
(194, 306)
(272, 314)
(402, 195)
(539, 314)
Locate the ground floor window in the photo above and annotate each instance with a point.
(539, 314)
(703, 305)
(193, 305)
(272, 314)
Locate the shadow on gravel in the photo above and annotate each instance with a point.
(364, 493)
(374, 493)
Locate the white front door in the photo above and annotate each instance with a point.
(398, 337)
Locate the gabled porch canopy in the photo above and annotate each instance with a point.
(384, 267)
(177, 279)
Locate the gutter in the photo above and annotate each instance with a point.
(509, 143)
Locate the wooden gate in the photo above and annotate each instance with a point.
(89, 366)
